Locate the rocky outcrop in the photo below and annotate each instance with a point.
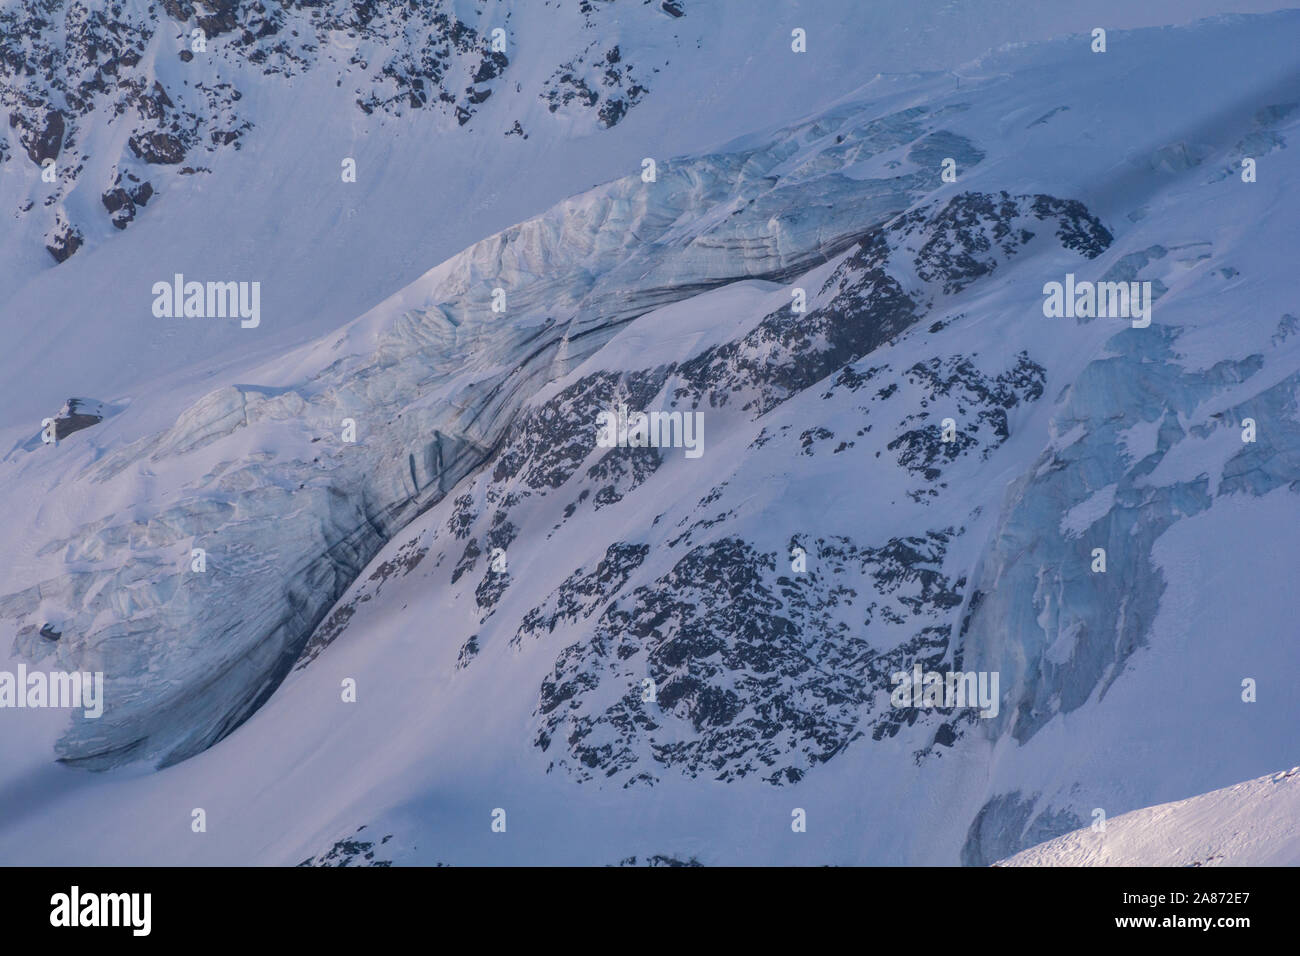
(289, 533)
(71, 74)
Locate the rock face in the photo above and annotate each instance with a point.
(71, 75)
(46, 143)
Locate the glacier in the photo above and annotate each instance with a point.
(475, 433)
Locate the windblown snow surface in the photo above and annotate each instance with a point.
(498, 588)
(1256, 823)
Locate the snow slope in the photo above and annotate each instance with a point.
(264, 120)
(1256, 823)
(482, 686)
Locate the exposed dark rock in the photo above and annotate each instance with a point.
(659, 859)
(158, 148)
(351, 852)
(49, 141)
(754, 671)
(65, 240)
(72, 419)
(121, 203)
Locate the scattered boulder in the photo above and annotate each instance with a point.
(63, 240)
(157, 148)
(121, 202)
(76, 414)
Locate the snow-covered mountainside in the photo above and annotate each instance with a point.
(1256, 823)
(132, 96)
(228, 162)
(424, 592)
